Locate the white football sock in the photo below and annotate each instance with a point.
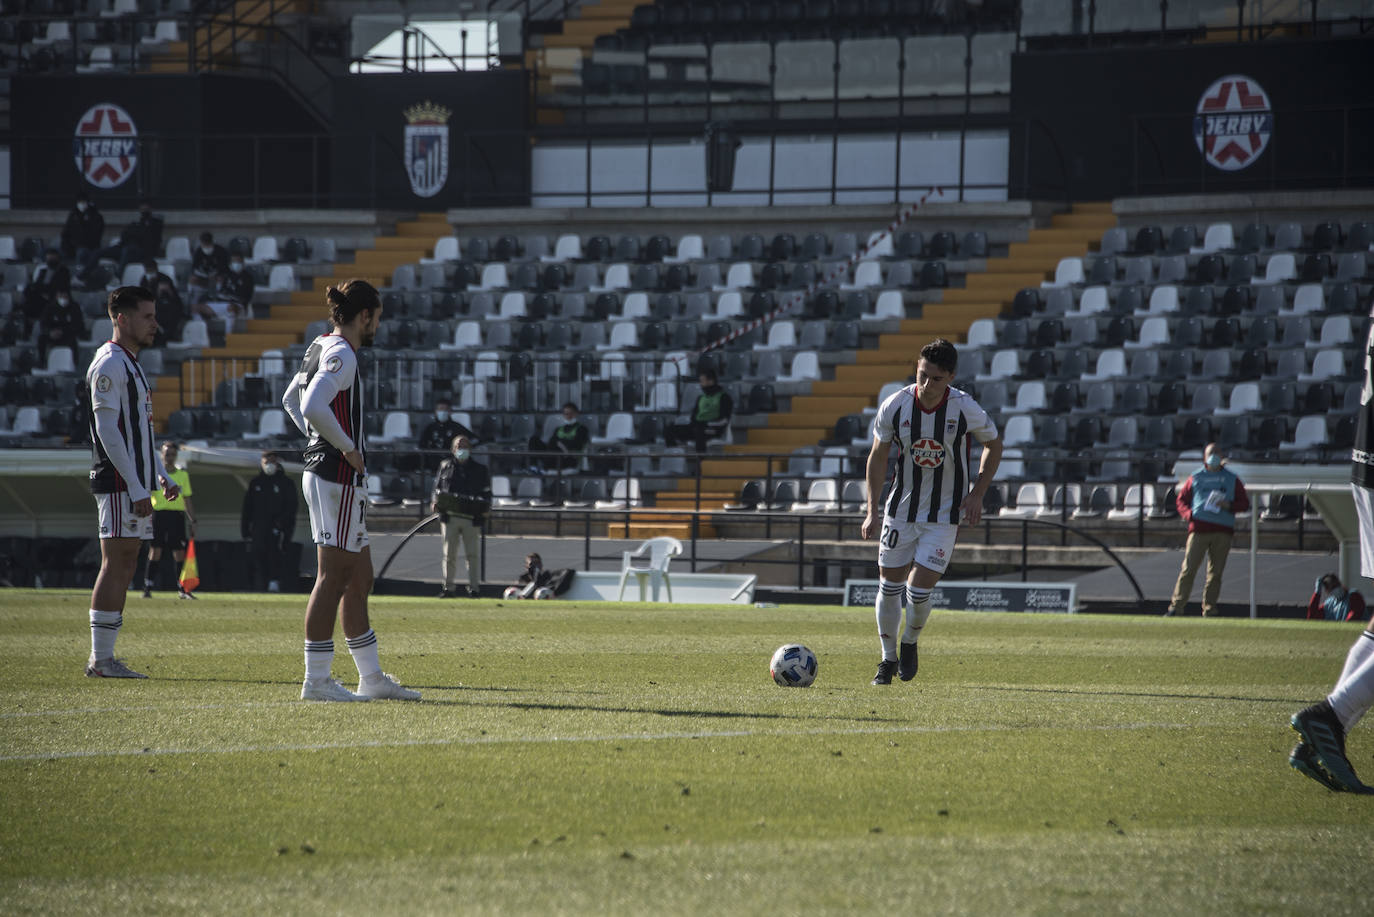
(889, 609)
(319, 659)
(1360, 650)
(917, 613)
(364, 650)
(104, 628)
(1354, 694)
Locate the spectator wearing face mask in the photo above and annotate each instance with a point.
(1209, 500)
(61, 324)
(268, 523)
(462, 498)
(436, 438)
(233, 295)
(208, 261)
(83, 231)
(39, 294)
(568, 443)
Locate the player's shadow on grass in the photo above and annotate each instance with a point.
(1160, 695)
(670, 712)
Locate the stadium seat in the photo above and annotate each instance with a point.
(1068, 272)
(1137, 501)
(1281, 268)
(1245, 399)
(805, 367)
(1031, 499)
(1030, 396)
(1219, 237)
(271, 424)
(1310, 434)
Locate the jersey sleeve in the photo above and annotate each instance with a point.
(338, 367)
(108, 380)
(980, 425)
(883, 428)
(291, 402)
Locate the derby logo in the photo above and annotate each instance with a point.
(105, 145)
(1233, 123)
(928, 453)
(426, 147)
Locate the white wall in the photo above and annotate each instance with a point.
(560, 172)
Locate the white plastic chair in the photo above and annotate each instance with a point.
(648, 563)
(567, 248)
(1068, 272)
(1219, 237)
(264, 249)
(282, 277)
(982, 333)
(271, 422)
(466, 336)
(689, 248)
(739, 277)
(806, 367)
(866, 274)
(396, 426)
(446, 248)
(620, 427)
(1031, 498)
(781, 335)
(1281, 267)
(60, 360)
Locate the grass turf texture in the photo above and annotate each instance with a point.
(626, 759)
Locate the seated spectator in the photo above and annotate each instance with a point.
(567, 444)
(710, 415)
(1333, 602)
(535, 577)
(208, 261)
(61, 325)
(49, 277)
(233, 293)
(171, 313)
(153, 276)
(139, 240)
(83, 231)
(437, 436)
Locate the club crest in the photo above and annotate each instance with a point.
(426, 147)
(105, 145)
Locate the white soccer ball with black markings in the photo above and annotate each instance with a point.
(512, 592)
(543, 592)
(793, 666)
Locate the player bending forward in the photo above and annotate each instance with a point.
(930, 423)
(1323, 726)
(325, 400)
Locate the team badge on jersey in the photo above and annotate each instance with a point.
(102, 384)
(105, 145)
(928, 453)
(1234, 122)
(333, 364)
(426, 147)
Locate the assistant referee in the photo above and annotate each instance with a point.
(174, 523)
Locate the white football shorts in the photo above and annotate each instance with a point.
(117, 519)
(1364, 509)
(338, 513)
(930, 544)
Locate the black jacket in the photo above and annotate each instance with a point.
(82, 230)
(236, 288)
(67, 321)
(207, 266)
(438, 435)
(269, 506)
(469, 481)
(146, 233)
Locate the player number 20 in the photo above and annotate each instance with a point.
(889, 537)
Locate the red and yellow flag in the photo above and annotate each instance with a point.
(190, 573)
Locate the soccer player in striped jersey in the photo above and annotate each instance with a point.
(932, 424)
(1324, 725)
(125, 468)
(325, 400)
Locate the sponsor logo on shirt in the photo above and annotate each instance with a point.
(928, 453)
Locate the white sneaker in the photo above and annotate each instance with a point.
(274, 586)
(385, 687)
(110, 668)
(327, 689)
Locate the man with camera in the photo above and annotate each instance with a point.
(462, 497)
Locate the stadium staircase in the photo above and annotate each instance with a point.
(557, 56)
(285, 324)
(809, 418)
(219, 40)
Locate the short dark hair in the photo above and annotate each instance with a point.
(126, 299)
(707, 373)
(1330, 581)
(569, 404)
(83, 196)
(440, 401)
(941, 353)
(268, 453)
(350, 298)
(207, 237)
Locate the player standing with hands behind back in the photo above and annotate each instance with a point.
(125, 470)
(930, 422)
(325, 400)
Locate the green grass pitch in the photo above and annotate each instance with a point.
(591, 758)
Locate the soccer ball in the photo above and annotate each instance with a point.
(793, 666)
(543, 592)
(512, 592)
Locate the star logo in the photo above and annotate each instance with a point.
(927, 453)
(1233, 123)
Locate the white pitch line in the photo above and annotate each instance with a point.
(538, 740)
